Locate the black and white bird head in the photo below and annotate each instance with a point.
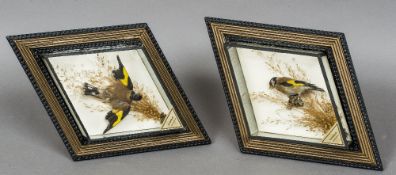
(272, 82)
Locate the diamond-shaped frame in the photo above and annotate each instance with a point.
(24, 47)
(364, 154)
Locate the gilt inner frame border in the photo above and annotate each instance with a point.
(24, 45)
(367, 155)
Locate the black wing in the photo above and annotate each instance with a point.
(114, 117)
(122, 75)
(312, 86)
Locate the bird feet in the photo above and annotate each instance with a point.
(162, 117)
(295, 101)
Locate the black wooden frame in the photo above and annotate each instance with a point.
(38, 54)
(231, 39)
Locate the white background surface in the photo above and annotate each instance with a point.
(30, 144)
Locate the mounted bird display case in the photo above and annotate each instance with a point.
(293, 93)
(109, 91)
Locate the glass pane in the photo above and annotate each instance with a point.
(113, 93)
(289, 94)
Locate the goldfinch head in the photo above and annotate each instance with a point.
(272, 82)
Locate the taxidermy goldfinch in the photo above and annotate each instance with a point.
(119, 94)
(293, 88)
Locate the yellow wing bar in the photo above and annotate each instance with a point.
(294, 83)
(119, 115)
(114, 117)
(126, 80)
(122, 75)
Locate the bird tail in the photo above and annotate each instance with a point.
(90, 90)
(314, 87)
